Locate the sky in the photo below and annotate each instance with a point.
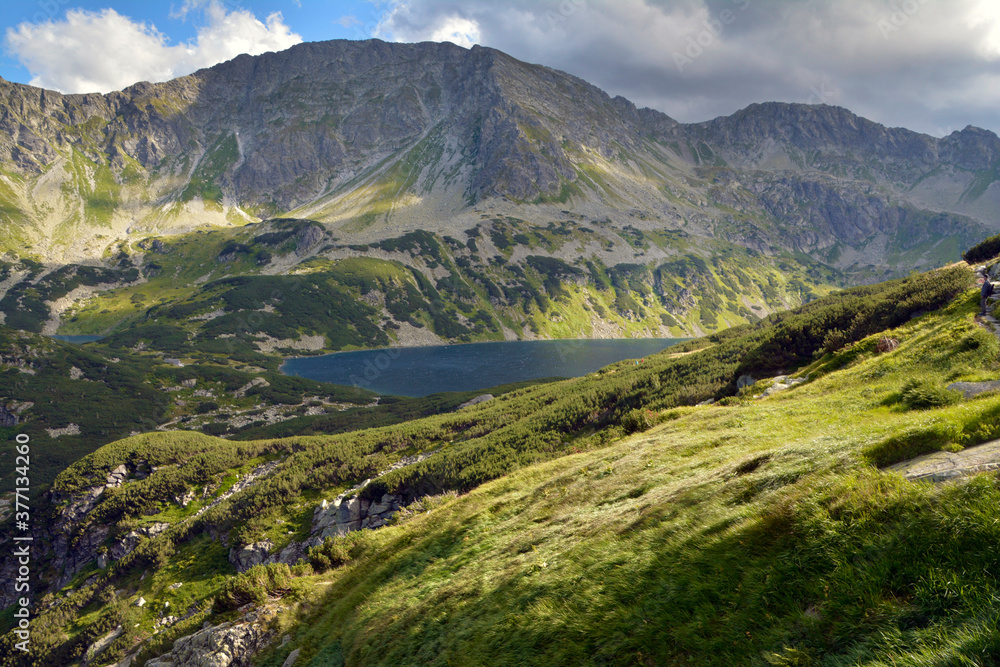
(930, 65)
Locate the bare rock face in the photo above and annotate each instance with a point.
(7, 417)
(246, 557)
(321, 122)
(224, 645)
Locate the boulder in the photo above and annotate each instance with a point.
(117, 477)
(98, 647)
(350, 510)
(125, 545)
(973, 389)
(250, 555)
(185, 498)
(476, 401)
(225, 645)
(7, 417)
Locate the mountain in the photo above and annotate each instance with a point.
(375, 140)
(449, 195)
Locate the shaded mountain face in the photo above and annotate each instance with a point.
(376, 139)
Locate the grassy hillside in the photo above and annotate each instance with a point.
(288, 286)
(622, 524)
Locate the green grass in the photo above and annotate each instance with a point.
(754, 534)
(571, 544)
(215, 163)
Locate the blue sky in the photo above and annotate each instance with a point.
(929, 65)
(311, 20)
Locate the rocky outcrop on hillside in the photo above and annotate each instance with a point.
(230, 644)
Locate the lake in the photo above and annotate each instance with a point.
(419, 371)
(78, 339)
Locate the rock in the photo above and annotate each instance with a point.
(80, 505)
(141, 602)
(476, 401)
(350, 510)
(75, 373)
(256, 382)
(307, 238)
(225, 645)
(101, 644)
(72, 429)
(185, 498)
(174, 587)
(250, 555)
(973, 389)
(943, 466)
(125, 545)
(117, 477)
(293, 553)
(744, 381)
(774, 389)
(167, 621)
(292, 657)
(102, 561)
(190, 384)
(7, 417)
(154, 529)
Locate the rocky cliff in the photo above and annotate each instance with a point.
(376, 139)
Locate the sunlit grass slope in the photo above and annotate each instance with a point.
(601, 520)
(755, 533)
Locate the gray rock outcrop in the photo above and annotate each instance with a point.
(99, 646)
(245, 557)
(225, 645)
(476, 401)
(973, 389)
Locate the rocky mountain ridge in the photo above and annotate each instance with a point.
(376, 139)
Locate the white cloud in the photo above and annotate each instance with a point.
(105, 51)
(457, 30)
(916, 63)
(348, 21)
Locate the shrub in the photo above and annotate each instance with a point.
(911, 444)
(215, 429)
(834, 340)
(637, 420)
(336, 551)
(206, 406)
(924, 395)
(255, 586)
(886, 344)
(983, 250)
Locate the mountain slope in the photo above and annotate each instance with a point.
(671, 529)
(378, 139)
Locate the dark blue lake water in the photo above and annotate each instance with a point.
(419, 371)
(78, 339)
